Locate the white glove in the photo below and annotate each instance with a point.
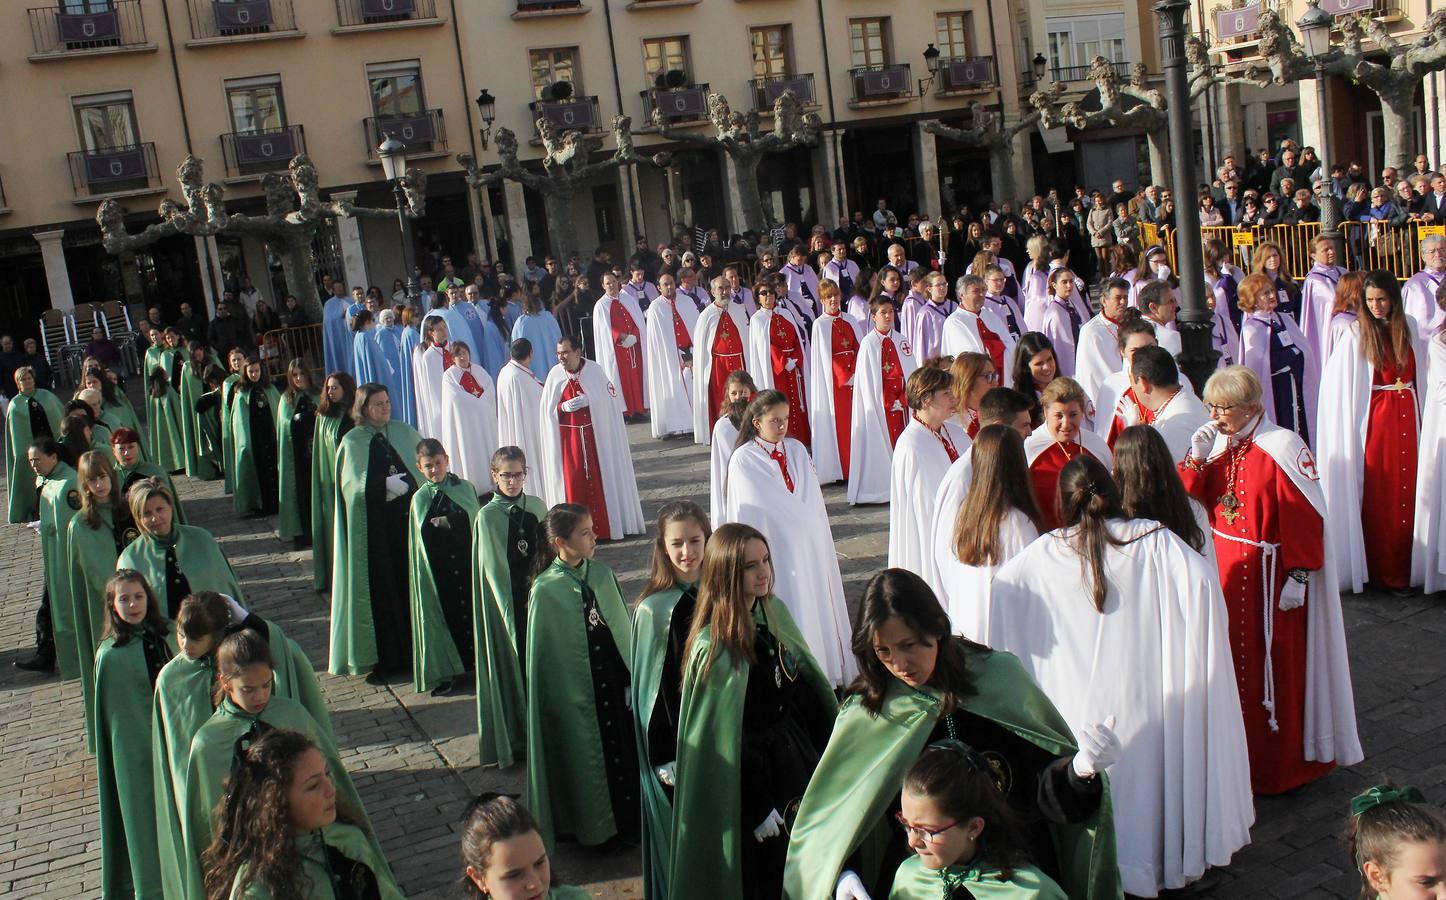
(850, 382)
(769, 828)
(441, 522)
(668, 774)
(396, 486)
(576, 403)
(628, 341)
(790, 365)
(1203, 440)
(238, 612)
(1099, 749)
(1292, 595)
(850, 887)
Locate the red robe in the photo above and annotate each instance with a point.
(993, 344)
(1044, 474)
(1392, 437)
(630, 360)
(469, 384)
(1117, 422)
(727, 353)
(783, 345)
(845, 356)
(581, 465)
(896, 408)
(1270, 506)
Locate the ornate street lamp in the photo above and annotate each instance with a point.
(487, 109)
(393, 155)
(1315, 33)
(1039, 63)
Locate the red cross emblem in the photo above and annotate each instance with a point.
(1306, 464)
(612, 390)
(904, 346)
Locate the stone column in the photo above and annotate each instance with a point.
(828, 178)
(57, 276)
(517, 231)
(1022, 168)
(926, 173)
(353, 254)
(474, 221)
(735, 199)
(629, 195)
(488, 247)
(677, 205)
(1229, 124)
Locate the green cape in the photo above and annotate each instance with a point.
(198, 557)
(290, 482)
(92, 556)
(247, 484)
(863, 768)
(353, 634)
(914, 882)
(212, 750)
(182, 705)
(151, 470)
(24, 498)
(130, 863)
(501, 691)
(167, 444)
(228, 445)
(316, 873)
(152, 360)
(59, 502)
(198, 463)
(120, 414)
(324, 448)
(435, 657)
(651, 621)
(706, 842)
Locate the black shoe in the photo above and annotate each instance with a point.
(301, 543)
(445, 689)
(377, 677)
(36, 663)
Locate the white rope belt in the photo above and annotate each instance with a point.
(1268, 553)
(586, 469)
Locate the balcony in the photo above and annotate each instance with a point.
(1068, 74)
(370, 15)
(119, 170)
(766, 91)
(573, 114)
(881, 85)
(116, 27)
(258, 152)
(959, 76)
(423, 133)
(686, 105)
(537, 9)
(225, 21)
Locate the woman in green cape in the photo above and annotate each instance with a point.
(503, 854)
(97, 536)
(163, 412)
(59, 502)
(31, 414)
(131, 466)
(115, 410)
(137, 643)
(236, 361)
(506, 539)
(208, 420)
(756, 713)
(376, 476)
(247, 707)
(295, 430)
(254, 446)
(333, 421)
(193, 386)
(176, 559)
(661, 621)
(155, 352)
(582, 771)
(80, 430)
(287, 833)
(439, 548)
(919, 684)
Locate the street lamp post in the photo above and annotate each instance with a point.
(393, 154)
(1198, 354)
(1315, 33)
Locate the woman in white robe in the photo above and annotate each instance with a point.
(725, 434)
(880, 411)
(519, 394)
(1428, 546)
(429, 361)
(719, 349)
(1273, 347)
(668, 362)
(833, 356)
(931, 442)
(469, 416)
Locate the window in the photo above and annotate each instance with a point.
(106, 121)
(953, 35)
(1076, 41)
(771, 45)
(662, 55)
(551, 66)
(868, 42)
(396, 89)
(255, 104)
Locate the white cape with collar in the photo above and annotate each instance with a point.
(1040, 440)
(1097, 354)
(919, 464)
(469, 424)
(965, 590)
(669, 385)
(1428, 547)
(725, 435)
(602, 337)
(427, 382)
(822, 417)
(961, 335)
(704, 332)
(519, 394)
(620, 486)
(870, 452)
(1180, 419)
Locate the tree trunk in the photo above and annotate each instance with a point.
(1159, 139)
(300, 276)
(1001, 170)
(561, 232)
(1396, 121)
(745, 169)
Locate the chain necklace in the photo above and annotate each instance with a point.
(1229, 502)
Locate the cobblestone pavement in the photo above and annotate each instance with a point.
(414, 757)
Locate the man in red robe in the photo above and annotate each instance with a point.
(894, 399)
(581, 465)
(831, 370)
(727, 353)
(785, 360)
(618, 336)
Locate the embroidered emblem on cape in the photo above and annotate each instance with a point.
(1305, 462)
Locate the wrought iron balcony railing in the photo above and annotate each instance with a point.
(255, 152)
(767, 90)
(423, 132)
(112, 171)
(77, 28)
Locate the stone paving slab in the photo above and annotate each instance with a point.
(414, 756)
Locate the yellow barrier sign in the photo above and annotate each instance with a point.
(1426, 231)
(1242, 239)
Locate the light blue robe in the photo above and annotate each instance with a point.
(513, 312)
(457, 327)
(476, 335)
(388, 339)
(543, 332)
(336, 336)
(409, 342)
(371, 365)
(494, 354)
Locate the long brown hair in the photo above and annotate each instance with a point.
(722, 604)
(325, 407)
(999, 482)
(297, 365)
(1350, 294)
(119, 628)
(899, 593)
(1088, 499)
(1150, 486)
(966, 368)
(758, 407)
(91, 464)
(1389, 341)
(660, 570)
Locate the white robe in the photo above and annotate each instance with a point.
(1428, 548)
(669, 385)
(1180, 418)
(802, 292)
(1418, 298)
(427, 381)
(1109, 400)
(602, 336)
(805, 564)
(1167, 336)
(703, 334)
(918, 467)
(620, 487)
(1097, 354)
(966, 589)
(1055, 324)
(758, 351)
(822, 417)
(1317, 299)
(1255, 353)
(725, 435)
(519, 394)
(1040, 440)
(1158, 659)
(870, 452)
(469, 425)
(961, 335)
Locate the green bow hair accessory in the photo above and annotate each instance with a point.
(1382, 794)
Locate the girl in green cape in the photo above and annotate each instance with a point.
(504, 856)
(967, 842)
(59, 502)
(919, 684)
(506, 540)
(582, 771)
(661, 621)
(333, 421)
(236, 361)
(163, 412)
(131, 467)
(439, 548)
(193, 386)
(295, 427)
(32, 413)
(115, 410)
(1398, 843)
(176, 559)
(137, 643)
(247, 707)
(756, 713)
(155, 352)
(97, 536)
(376, 476)
(254, 446)
(285, 832)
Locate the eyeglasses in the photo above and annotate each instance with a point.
(1217, 408)
(990, 377)
(510, 476)
(928, 836)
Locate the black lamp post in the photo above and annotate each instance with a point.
(931, 62)
(1197, 355)
(393, 154)
(1315, 33)
(1038, 64)
(487, 110)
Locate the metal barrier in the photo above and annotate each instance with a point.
(1368, 245)
(1375, 245)
(278, 348)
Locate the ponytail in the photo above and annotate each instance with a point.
(1088, 499)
